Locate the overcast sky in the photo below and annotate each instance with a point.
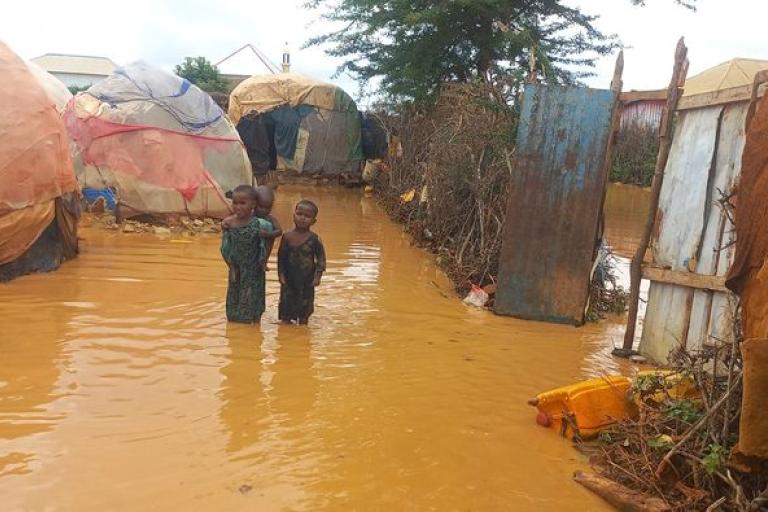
(164, 31)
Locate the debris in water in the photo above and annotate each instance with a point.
(477, 297)
(167, 226)
(245, 489)
(582, 410)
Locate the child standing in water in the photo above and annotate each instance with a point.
(242, 248)
(265, 200)
(300, 265)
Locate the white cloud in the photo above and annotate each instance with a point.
(719, 31)
(164, 32)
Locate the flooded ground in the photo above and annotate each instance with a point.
(123, 388)
(626, 208)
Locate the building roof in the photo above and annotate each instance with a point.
(246, 61)
(729, 74)
(653, 96)
(728, 82)
(75, 64)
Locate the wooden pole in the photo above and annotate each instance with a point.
(674, 92)
(616, 86)
(621, 497)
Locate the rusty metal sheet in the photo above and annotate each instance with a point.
(556, 192)
(705, 159)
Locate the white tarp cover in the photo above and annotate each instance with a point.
(162, 143)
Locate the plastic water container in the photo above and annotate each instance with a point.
(585, 408)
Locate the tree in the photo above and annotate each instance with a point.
(203, 74)
(74, 89)
(414, 45)
(688, 4)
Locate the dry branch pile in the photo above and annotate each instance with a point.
(680, 450)
(606, 295)
(456, 160)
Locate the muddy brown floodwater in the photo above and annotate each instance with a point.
(626, 212)
(123, 388)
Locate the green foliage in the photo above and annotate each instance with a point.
(414, 46)
(74, 89)
(649, 383)
(202, 73)
(634, 157)
(661, 442)
(714, 458)
(592, 316)
(688, 4)
(685, 410)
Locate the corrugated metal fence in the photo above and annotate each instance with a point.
(556, 193)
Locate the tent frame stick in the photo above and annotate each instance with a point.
(674, 93)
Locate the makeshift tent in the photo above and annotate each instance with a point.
(54, 88)
(692, 246)
(161, 143)
(375, 137)
(38, 207)
(289, 121)
(728, 75)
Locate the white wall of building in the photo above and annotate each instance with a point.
(78, 80)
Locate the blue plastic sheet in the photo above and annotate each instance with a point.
(194, 109)
(92, 195)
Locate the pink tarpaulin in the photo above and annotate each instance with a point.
(162, 157)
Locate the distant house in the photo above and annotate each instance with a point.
(643, 108)
(76, 70)
(245, 62)
(720, 84)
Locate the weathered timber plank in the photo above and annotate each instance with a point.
(687, 279)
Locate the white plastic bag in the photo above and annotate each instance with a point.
(476, 297)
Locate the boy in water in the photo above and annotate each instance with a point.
(265, 200)
(242, 248)
(300, 265)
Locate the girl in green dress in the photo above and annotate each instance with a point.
(242, 247)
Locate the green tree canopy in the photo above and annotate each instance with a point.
(74, 89)
(202, 73)
(414, 45)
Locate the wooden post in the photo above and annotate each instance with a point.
(676, 85)
(616, 86)
(760, 78)
(621, 497)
